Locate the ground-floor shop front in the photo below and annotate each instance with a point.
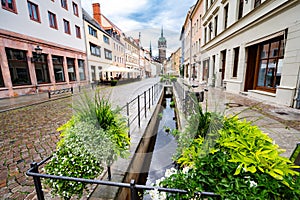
(30, 65)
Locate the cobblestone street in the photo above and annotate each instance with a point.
(28, 134)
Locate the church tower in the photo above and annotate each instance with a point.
(162, 46)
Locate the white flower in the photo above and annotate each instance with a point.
(253, 184)
(156, 195)
(170, 172)
(185, 170)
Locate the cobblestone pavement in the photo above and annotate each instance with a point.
(28, 134)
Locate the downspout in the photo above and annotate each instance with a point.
(191, 36)
(298, 90)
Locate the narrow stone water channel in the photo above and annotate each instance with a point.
(164, 146)
(155, 149)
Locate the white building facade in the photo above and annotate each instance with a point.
(252, 47)
(42, 46)
(99, 49)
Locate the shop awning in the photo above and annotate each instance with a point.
(113, 68)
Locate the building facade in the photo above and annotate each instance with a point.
(42, 46)
(132, 57)
(253, 48)
(247, 47)
(99, 49)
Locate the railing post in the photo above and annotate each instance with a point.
(108, 173)
(133, 190)
(149, 99)
(139, 114)
(49, 94)
(152, 96)
(128, 120)
(145, 103)
(37, 181)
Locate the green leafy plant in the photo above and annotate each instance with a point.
(92, 139)
(167, 129)
(254, 150)
(113, 82)
(243, 164)
(172, 104)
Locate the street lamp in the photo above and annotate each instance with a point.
(38, 54)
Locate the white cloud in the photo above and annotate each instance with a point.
(146, 16)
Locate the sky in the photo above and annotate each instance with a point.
(147, 17)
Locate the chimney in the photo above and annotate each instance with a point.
(97, 13)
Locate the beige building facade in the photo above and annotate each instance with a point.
(248, 47)
(41, 48)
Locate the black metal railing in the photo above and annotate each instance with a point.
(188, 100)
(139, 107)
(134, 188)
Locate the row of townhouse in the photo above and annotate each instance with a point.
(245, 46)
(55, 44)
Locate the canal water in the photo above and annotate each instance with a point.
(164, 146)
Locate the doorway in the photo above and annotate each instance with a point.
(223, 63)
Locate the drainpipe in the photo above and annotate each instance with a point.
(191, 36)
(298, 92)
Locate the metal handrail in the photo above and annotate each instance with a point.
(34, 172)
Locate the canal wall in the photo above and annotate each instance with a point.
(123, 170)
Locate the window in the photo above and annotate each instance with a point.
(71, 69)
(205, 35)
(64, 4)
(105, 39)
(78, 33)
(236, 61)
(92, 31)
(270, 64)
(33, 11)
(216, 26)
(9, 5)
(67, 27)
(52, 20)
(41, 69)
(257, 3)
(93, 71)
(241, 8)
(75, 9)
(225, 16)
(95, 50)
(108, 54)
(210, 29)
(81, 69)
(58, 68)
(17, 62)
(1, 78)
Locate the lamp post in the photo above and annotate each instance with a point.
(38, 52)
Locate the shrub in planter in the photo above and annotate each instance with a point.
(113, 82)
(244, 164)
(94, 137)
(77, 157)
(173, 78)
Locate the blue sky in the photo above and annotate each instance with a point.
(146, 16)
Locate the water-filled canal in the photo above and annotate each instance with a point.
(164, 146)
